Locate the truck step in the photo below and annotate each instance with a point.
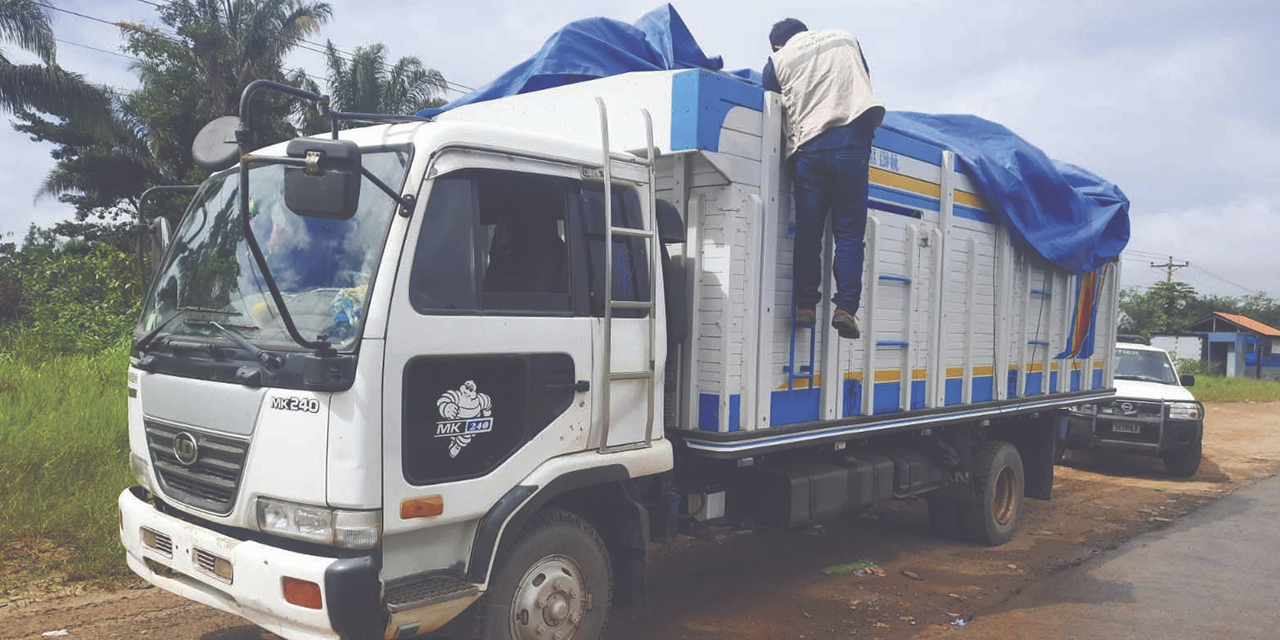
(427, 589)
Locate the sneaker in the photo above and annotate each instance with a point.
(845, 324)
(806, 318)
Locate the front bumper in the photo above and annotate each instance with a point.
(255, 590)
(1154, 437)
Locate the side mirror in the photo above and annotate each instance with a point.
(1187, 380)
(160, 233)
(328, 186)
(215, 146)
(670, 224)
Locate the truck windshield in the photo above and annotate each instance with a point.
(324, 268)
(1147, 366)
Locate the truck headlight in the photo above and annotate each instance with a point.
(1083, 408)
(1185, 411)
(141, 472)
(333, 527)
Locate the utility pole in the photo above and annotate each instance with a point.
(1169, 267)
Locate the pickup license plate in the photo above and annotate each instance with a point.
(1126, 427)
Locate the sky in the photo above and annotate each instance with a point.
(1174, 101)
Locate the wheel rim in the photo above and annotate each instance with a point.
(550, 602)
(1006, 496)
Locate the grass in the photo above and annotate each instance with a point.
(1216, 389)
(64, 458)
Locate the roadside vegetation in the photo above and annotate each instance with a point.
(64, 457)
(1217, 389)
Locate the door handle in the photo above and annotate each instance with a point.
(581, 386)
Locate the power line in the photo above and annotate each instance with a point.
(316, 47)
(1222, 279)
(124, 25)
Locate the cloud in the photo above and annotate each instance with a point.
(1231, 247)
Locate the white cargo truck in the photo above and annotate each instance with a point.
(456, 376)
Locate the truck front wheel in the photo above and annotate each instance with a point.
(553, 582)
(998, 485)
(1183, 463)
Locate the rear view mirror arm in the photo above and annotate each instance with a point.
(321, 344)
(142, 225)
(405, 201)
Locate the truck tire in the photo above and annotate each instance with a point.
(1183, 463)
(998, 485)
(553, 581)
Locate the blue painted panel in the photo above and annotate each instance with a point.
(1033, 383)
(887, 398)
(983, 388)
(1272, 360)
(917, 394)
(1097, 378)
(954, 392)
(1075, 380)
(852, 398)
(891, 140)
(1053, 380)
(791, 407)
(709, 411)
(904, 198)
(700, 100)
(1013, 383)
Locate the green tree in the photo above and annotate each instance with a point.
(1165, 307)
(192, 69)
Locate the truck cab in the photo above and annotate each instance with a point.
(1153, 413)
(465, 357)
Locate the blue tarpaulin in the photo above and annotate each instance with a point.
(1068, 215)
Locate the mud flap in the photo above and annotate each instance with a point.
(1035, 439)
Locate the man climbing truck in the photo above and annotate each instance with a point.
(494, 353)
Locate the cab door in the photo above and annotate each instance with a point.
(489, 366)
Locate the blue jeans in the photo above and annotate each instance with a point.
(831, 182)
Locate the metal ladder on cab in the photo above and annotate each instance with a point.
(648, 233)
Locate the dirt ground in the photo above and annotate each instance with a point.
(771, 585)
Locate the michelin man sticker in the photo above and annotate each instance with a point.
(466, 412)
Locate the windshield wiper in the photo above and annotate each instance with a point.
(272, 361)
(141, 344)
(1141, 378)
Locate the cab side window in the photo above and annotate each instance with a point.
(630, 271)
(494, 242)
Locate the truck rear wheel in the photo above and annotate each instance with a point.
(553, 582)
(1183, 463)
(998, 485)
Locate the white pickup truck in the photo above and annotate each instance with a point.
(1152, 412)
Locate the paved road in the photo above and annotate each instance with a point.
(1213, 574)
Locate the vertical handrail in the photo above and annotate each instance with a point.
(607, 348)
(652, 223)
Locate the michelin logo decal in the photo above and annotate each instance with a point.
(466, 412)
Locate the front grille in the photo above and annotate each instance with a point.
(1122, 409)
(209, 482)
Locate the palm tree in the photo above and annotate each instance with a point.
(43, 87)
(231, 43)
(365, 83)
